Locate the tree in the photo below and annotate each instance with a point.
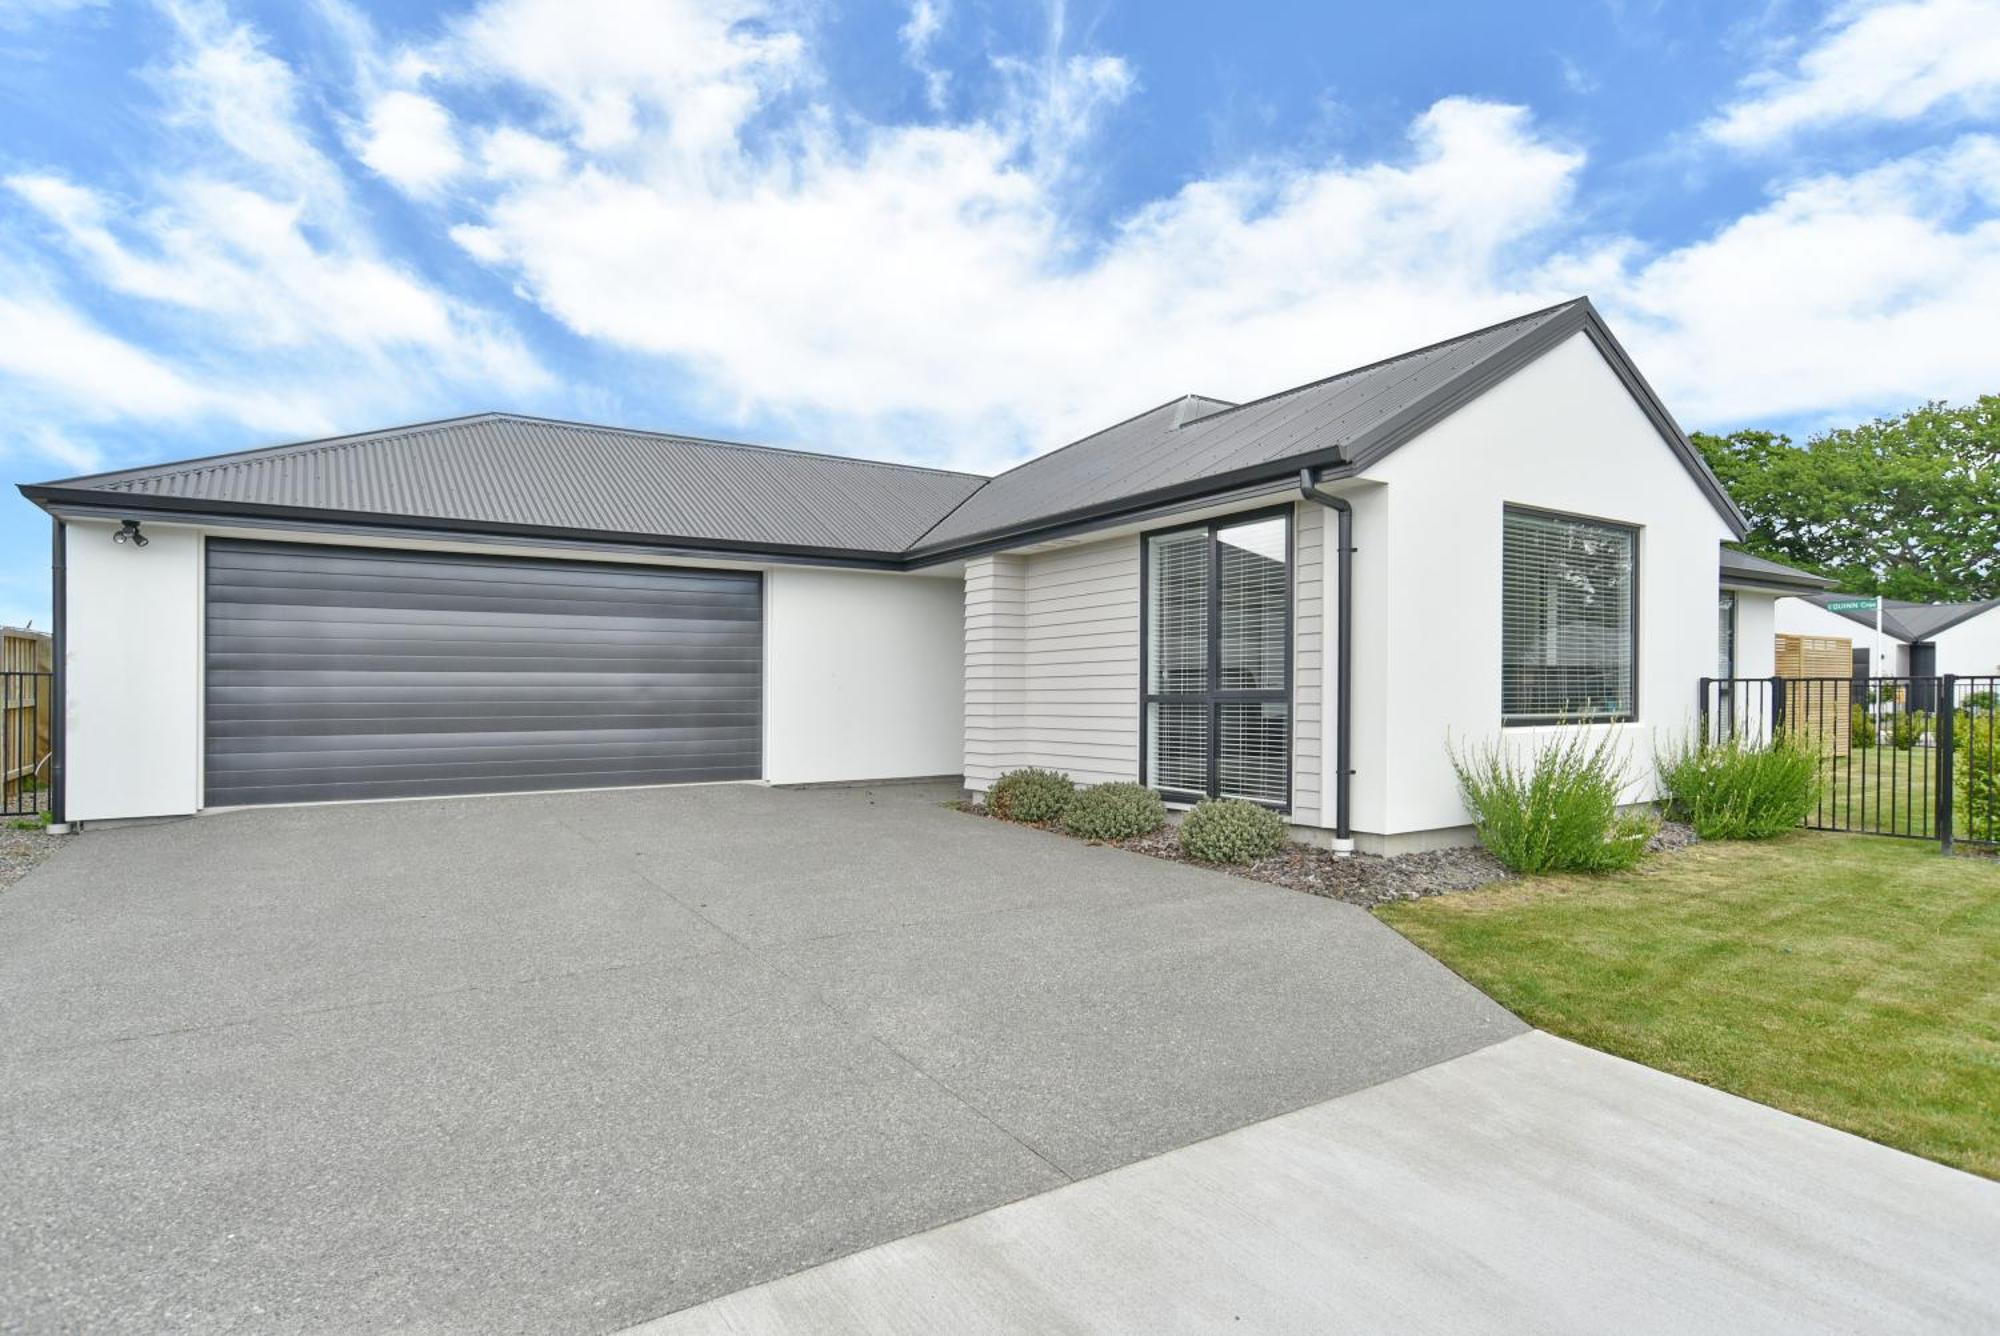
(1907, 507)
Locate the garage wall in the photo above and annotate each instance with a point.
(133, 657)
(864, 676)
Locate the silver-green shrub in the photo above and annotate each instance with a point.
(1229, 830)
(1114, 812)
(1556, 809)
(1740, 790)
(1031, 795)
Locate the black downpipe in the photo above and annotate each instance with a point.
(1343, 674)
(59, 648)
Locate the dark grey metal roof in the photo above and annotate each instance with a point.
(498, 468)
(1746, 568)
(1906, 620)
(503, 473)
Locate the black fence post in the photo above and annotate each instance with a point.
(1946, 744)
(1701, 706)
(1777, 705)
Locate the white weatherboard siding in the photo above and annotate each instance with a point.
(1052, 663)
(132, 655)
(862, 675)
(1561, 434)
(1312, 640)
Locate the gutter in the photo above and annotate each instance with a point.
(1343, 670)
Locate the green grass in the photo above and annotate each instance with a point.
(1849, 979)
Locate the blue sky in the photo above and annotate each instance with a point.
(952, 232)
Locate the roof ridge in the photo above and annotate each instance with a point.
(1395, 357)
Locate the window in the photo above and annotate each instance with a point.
(1725, 639)
(1569, 620)
(1218, 655)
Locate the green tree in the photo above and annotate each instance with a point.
(1907, 507)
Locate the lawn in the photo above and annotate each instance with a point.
(1850, 979)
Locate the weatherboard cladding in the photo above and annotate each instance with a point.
(507, 470)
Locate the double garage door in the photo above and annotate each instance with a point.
(346, 672)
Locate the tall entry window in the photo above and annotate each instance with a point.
(1218, 653)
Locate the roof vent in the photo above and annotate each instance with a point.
(1194, 407)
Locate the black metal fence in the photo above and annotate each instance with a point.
(1913, 757)
(26, 753)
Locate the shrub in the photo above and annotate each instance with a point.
(1976, 766)
(1031, 795)
(1115, 812)
(1740, 790)
(1861, 729)
(1229, 830)
(1909, 729)
(1557, 811)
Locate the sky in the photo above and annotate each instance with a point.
(957, 233)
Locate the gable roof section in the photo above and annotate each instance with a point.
(1910, 621)
(1339, 425)
(499, 469)
(505, 473)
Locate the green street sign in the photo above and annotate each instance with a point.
(1851, 605)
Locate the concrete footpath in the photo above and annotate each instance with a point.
(1530, 1186)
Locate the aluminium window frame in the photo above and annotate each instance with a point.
(1637, 532)
(1213, 698)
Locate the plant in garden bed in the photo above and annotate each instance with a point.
(1861, 730)
(1031, 795)
(1976, 763)
(1114, 812)
(1229, 830)
(1740, 790)
(1555, 810)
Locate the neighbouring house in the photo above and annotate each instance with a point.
(504, 603)
(1918, 639)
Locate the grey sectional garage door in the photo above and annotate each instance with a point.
(343, 672)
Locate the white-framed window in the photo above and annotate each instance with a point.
(1569, 619)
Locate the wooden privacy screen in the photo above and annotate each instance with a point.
(1821, 707)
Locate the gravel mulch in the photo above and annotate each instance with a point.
(1359, 879)
(21, 850)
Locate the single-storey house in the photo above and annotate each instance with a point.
(1918, 639)
(1299, 600)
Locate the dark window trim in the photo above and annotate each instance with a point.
(1637, 531)
(1214, 698)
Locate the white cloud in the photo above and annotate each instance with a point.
(409, 141)
(918, 33)
(1844, 292)
(1876, 62)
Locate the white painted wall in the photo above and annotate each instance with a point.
(1799, 617)
(132, 655)
(863, 675)
(1972, 648)
(1561, 434)
(1756, 633)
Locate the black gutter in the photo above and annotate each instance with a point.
(1343, 671)
(59, 648)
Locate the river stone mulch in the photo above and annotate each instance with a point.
(1359, 879)
(21, 850)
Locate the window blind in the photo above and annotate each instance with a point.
(1568, 617)
(1218, 646)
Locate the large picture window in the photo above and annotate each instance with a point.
(1569, 620)
(1218, 654)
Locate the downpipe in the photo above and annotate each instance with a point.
(1343, 675)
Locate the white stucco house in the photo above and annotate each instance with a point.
(1917, 639)
(1295, 600)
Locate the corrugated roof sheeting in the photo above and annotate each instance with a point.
(1149, 453)
(1911, 621)
(508, 470)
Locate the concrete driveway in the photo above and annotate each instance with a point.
(573, 1062)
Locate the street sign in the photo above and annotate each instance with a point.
(1851, 605)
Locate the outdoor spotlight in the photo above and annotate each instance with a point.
(129, 532)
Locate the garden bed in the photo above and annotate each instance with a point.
(1357, 880)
